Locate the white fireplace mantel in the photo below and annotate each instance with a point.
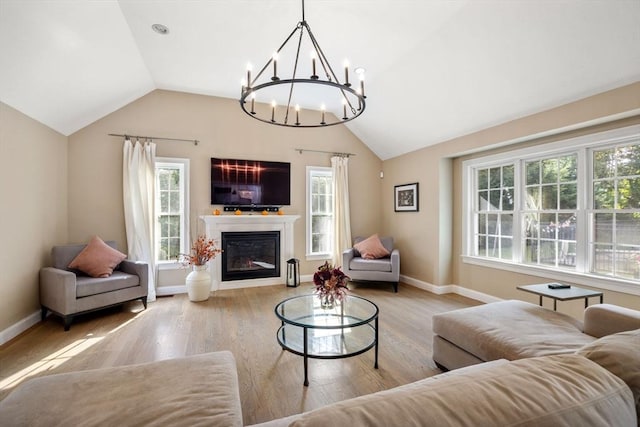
(215, 225)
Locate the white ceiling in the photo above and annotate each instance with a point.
(436, 69)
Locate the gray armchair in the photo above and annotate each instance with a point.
(68, 293)
(378, 270)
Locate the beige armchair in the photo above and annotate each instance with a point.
(385, 269)
(69, 293)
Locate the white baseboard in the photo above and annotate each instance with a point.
(163, 291)
(17, 328)
(449, 289)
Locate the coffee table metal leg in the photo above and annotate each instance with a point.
(540, 301)
(306, 357)
(375, 365)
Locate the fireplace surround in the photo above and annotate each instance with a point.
(215, 225)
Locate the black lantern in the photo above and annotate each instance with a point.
(293, 272)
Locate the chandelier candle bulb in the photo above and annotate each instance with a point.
(344, 109)
(273, 111)
(346, 73)
(253, 103)
(313, 66)
(322, 108)
(249, 75)
(297, 115)
(362, 85)
(275, 67)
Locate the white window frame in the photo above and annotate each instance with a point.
(183, 165)
(580, 145)
(311, 171)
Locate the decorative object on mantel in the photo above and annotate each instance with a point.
(237, 212)
(216, 211)
(331, 284)
(280, 212)
(260, 98)
(199, 281)
(265, 212)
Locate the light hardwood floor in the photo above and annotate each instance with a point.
(242, 321)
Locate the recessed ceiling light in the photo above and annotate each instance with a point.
(359, 70)
(160, 29)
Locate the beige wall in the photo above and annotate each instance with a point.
(33, 209)
(430, 240)
(95, 161)
(58, 190)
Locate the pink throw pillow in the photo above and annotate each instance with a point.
(371, 248)
(97, 259)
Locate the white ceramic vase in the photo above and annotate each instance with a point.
(199, 283)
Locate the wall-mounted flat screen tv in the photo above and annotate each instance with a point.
(238, 182)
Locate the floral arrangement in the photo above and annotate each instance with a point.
(331, 283)
(202, 251)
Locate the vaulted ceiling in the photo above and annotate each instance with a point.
(436, 69)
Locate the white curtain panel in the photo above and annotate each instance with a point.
(138, 182)
(341, 212)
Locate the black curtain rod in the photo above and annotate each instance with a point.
(195, 141)
(300, 150)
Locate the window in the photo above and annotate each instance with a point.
(319, 212)
(569, 208)
(494, 234)
(549, 211)
(172, 177)
(615, 241)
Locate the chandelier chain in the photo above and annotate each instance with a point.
(295, 70)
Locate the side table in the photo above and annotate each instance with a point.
(565, 294)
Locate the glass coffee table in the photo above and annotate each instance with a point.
(311, 331)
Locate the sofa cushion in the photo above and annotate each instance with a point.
(87, 286)
(190, 391)
(510, 330)
(619, 354)
(564, 390)
(361, 264)
(371, 248)
(607, 319)
(97, 259)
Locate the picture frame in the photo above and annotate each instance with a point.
(406, 197)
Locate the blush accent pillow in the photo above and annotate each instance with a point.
(371, 248)
(97, 259)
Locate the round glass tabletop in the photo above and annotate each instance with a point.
(307, 311)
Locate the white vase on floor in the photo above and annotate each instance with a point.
(199, 283)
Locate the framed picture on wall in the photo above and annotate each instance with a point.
(406, 197)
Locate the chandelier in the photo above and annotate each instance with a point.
(272, 98)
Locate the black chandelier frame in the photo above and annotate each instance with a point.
(247, 96)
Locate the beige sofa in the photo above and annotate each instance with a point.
(599, 385)
(188, 391)
(515, 330)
